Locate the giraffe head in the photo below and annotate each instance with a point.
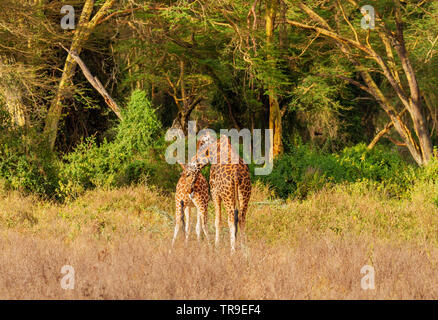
(212, 150)
(206, 152)
(190, 174)
(206, 138)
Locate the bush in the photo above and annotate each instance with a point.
(378, 164)
(27, 164)
(304, 170)
(140, 129)
(301, 171)
(88, 166)
(129, 158)
(429, 173)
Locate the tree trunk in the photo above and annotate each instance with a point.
(95, 82)
(422, 151)
(187, 103)
(12, 93)
(16, 109)
(415, 109)
(81, 35)
(274, 108)
(181, 121)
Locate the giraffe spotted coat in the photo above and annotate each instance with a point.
(191, 191)
(230, 182)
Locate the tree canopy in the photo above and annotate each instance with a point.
(312, 71)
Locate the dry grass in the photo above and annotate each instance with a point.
(118, 241)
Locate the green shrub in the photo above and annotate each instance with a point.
(304, 170)
(393, 175)
(140, 129)
(378, 164)
(127, 159)
(26, 164)
(88, 166)
(429, 173)
(301, 171)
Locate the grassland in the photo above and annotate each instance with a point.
(118, 242)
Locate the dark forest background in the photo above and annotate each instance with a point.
(346, 104)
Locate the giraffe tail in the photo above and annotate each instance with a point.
(236, 209)
(182, 215)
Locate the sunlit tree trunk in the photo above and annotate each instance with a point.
(185, 100)
(274, 108)
(81, 35)
(11, 93)
(408, 97)
(16, 109)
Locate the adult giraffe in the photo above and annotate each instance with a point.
(230, 182)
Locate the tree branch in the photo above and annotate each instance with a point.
(354, 82)
(94, 81)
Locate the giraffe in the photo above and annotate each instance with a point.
(230, 182)
(184, 200)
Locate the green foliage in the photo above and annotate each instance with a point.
(125, 160)
(304, 170)
(380, 167)
(301, 171)
(140, 129)
(378, 164)
(135, 155)
(26, 164)
(89, 165)
(429, 173)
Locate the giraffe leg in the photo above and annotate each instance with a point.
(179, 220)
(201, 213)
(233, 213)
(204, 223)
(175, 233)
(217, 209)
(187, 214)
(243, 209)
(233, 230)
(244, 196)
(198, 224)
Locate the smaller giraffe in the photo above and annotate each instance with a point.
(191, 191)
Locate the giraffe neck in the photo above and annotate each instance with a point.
(219, 152)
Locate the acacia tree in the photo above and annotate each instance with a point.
(386, 48)
(165, 50)
(84, 29)
(274, 108)
(256, 36)
(26, 58)
(186, 98)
